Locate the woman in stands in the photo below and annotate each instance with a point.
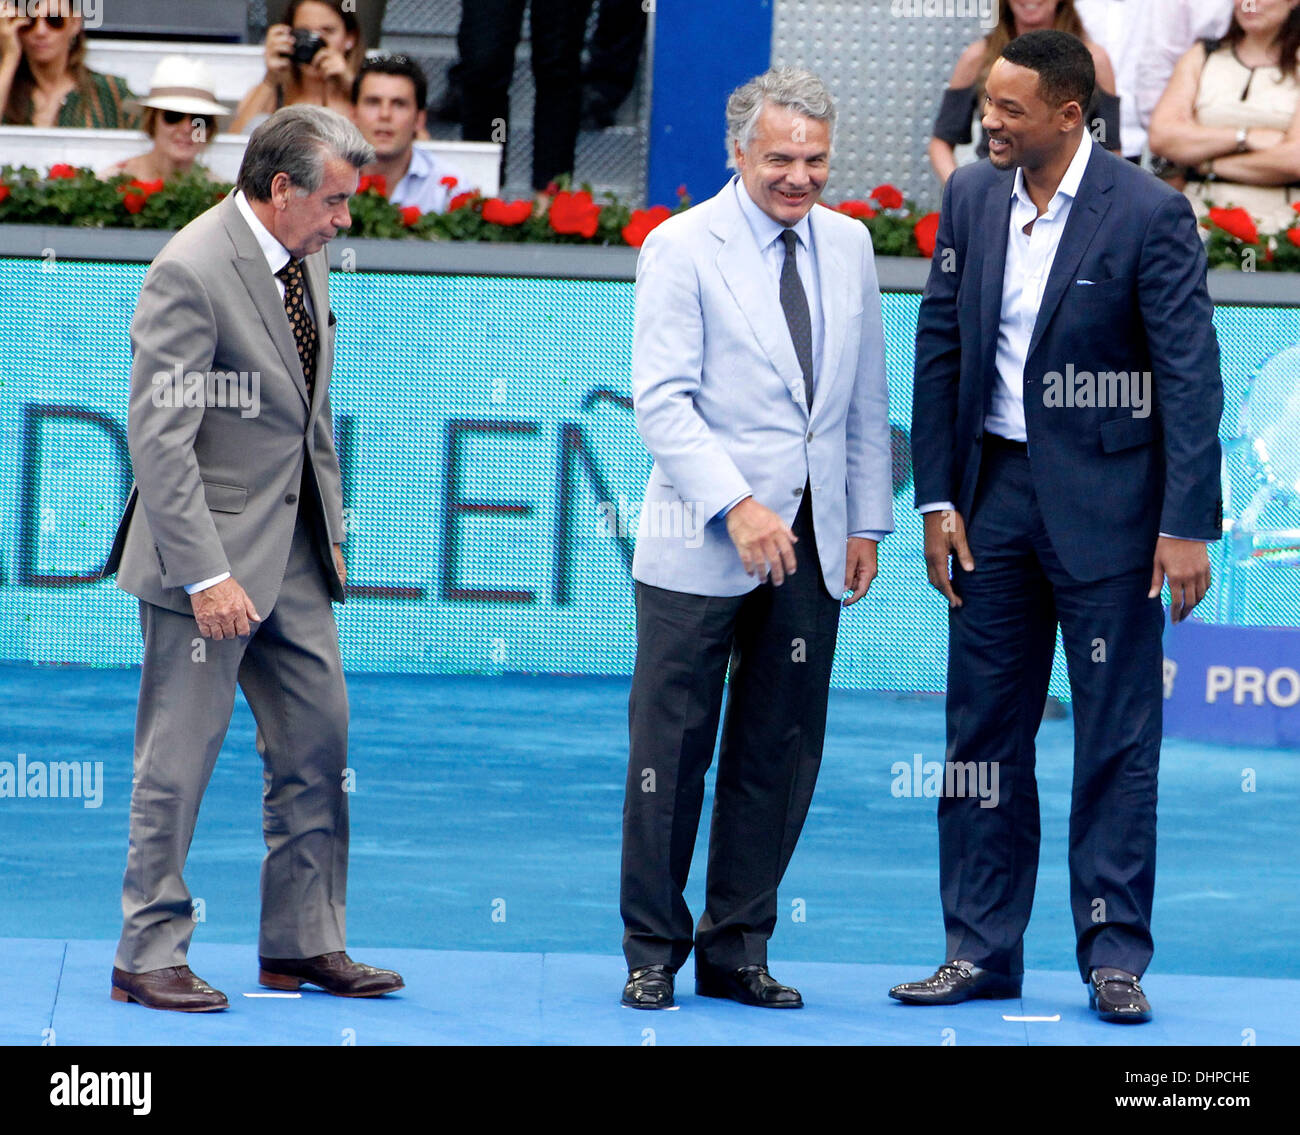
(180, 116)
(300, 68)
(44, 80)
(1231, 115)
(965, 93)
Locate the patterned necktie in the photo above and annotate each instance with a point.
(794, 302)
(300, 322)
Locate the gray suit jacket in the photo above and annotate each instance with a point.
(217, 477)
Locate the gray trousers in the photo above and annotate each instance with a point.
(292, 676)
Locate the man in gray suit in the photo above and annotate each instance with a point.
(758, 377)
(231, 540)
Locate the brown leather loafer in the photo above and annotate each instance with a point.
(177, 988)
(335, 973)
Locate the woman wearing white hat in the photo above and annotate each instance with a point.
(180, 115)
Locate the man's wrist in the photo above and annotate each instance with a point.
(738, 500)
(203, 585)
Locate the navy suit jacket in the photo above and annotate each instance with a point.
(1126, 296)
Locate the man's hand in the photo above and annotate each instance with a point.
(765, 543)
(945, 536)
(224, 610)
(1186, 564)
(339, 565)
(859, 568)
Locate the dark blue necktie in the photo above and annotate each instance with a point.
(794, 302)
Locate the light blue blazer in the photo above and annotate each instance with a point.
(719, 399)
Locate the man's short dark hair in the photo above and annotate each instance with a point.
(401, 65)
(1063, 62)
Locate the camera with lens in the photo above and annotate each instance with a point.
(305, 45)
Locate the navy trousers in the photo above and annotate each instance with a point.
(1001, 643)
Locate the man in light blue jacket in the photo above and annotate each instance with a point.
(759, 388)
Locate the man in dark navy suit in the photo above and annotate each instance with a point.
(1066, 457)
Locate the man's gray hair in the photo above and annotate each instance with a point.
(297, 140)
(795, 88)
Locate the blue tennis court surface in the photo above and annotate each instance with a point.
(485, 850)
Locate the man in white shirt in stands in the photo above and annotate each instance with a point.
(388, 99)
(1167, 28)
(1144, 39)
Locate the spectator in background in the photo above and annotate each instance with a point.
(1166, 29)
(44, 80)
(965, 92)
(1116, 26)
(613, 56)
(388, 99)
(324, 79)
(1230, 115)
(489, 33)
(180, 115)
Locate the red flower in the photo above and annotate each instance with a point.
(574, 213)
(924, 232)
(449, 181)
(1293, 235)
(376, 181)
(61, 170)
(507, 213)
(136, 192)
(859, 209)
(460, 201)
(410, 214)
(4, 191)
(643, 222)
(887, 196)
(1236, 222)
(1296, 206)
(681, 190)
(552, 188)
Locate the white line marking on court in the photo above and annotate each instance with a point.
(272, 994)
(1008, 1017)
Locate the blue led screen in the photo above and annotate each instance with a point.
(486, 435)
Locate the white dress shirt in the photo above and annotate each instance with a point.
(1024, 279)
(771, 247)
(277, 256)
(1029, 264)
(422, 185)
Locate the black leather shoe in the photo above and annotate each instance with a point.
(650, 987)
(1117, 996)
(177, 988)
(335, 973)
(954, 982)
(750, 985)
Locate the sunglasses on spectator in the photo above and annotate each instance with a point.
(55, 22)
(171, 117)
